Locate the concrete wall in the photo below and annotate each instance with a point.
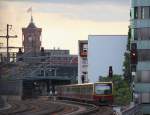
(2, 102)
(11, 87)
(105, 51)
(7, 98)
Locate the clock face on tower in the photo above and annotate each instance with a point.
(30, 39)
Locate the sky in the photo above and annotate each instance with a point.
(64, 22)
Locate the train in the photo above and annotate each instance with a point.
(97, 93)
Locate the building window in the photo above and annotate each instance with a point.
(135, 34)
(135, 12)
(149, 12)
(84, 61)
(143, 76)
(143, 55)
(132, 13)
(142, 34)
(83, 48)
(140, 12)
(145, 12)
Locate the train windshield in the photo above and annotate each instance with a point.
(103, 89)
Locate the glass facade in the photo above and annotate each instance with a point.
(144, 65)
(143, 55)
(145, 98)
(143, 44)
(140, 33)
(140, 12)
(142, 77)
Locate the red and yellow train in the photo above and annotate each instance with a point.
(99, 93)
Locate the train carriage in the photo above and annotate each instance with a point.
(101, 92)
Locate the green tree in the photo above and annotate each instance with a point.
(127, 69)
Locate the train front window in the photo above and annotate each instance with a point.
(103, 89)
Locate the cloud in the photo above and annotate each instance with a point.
(75, 2)
(120, 2)
(94, 10)
(64, 24)
(99, 13)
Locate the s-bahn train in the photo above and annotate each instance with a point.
(98, 93)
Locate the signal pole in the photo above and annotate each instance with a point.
(7, 37)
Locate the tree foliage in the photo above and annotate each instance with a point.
(126, 63)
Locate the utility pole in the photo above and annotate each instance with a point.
(7, 37)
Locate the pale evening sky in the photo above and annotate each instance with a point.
(64, 22)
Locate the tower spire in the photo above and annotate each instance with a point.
(31, 18)
(30, 10)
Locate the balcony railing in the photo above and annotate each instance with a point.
(140, 3)
(140, 23)
(143, 65)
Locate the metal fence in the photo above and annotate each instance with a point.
(132, 110)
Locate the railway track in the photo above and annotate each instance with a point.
(78, 108)
(47, 107)
(104, 110)
(31, 107)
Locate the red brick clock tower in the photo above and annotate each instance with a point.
(31, 39)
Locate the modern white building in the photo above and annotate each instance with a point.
(140, 27)
(105, 51)
(98, 53)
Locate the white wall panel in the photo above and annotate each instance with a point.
(105, 51)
